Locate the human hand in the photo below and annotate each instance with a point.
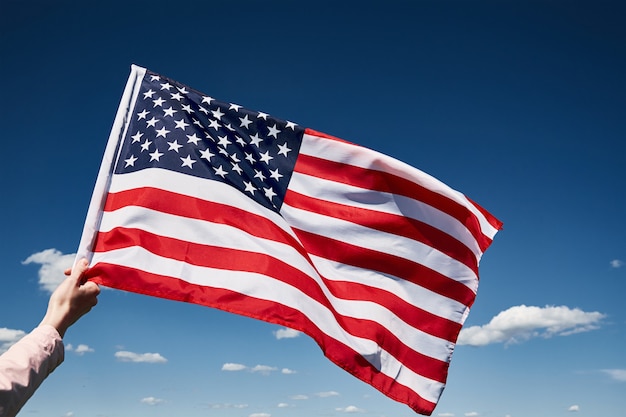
(72, 299)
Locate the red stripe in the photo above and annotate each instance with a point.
(141, 282)
(389, 223)
(390, 183)
(236, 260)
(196, 208)
(370, 259)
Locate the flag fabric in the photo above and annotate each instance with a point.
(206, 202)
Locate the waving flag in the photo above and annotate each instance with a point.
(206, 202)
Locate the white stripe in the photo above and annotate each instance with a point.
(206, 233)
(266, 288)
(327, 190)
(355, 155)
(411, 293)
(364, 237)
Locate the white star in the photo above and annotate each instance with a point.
(197, 122)
(245, 121)
(207, 100)
(283, 149)
(240, 140)
(259, 175)
(217, 114)
(273, 131)
(193, 139)
(174, 146)
(269, 193)
(154, 156)
(137, 137)
(142, 115)
(223, 152)
(237, 168)
(249, 187)
(130, 161)
(152, 122)
(291, 125)
(265, 157)
(158, 102)
(235, 158)
(275, 174)
(223, 141)
(214, 124)
(203, 110)
(188, 162)
(154, 78)
(166, 86)
(176, 96)
(255, 140)
(170, 112)
(183, 90)
(187, 108)
(180, 124)
(148, 94)
(235, 107)
(146, 145)
(206, 154)
(229, 127)
(162, 132)
(250, 158)
(219, 171)
(262, 115)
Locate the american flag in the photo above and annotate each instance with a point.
(206, 202)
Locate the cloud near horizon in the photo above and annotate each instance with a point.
(521, 323)
(53, 264)
(125, 356)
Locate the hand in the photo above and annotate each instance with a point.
(72, 299)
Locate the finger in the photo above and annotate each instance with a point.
(78, 270)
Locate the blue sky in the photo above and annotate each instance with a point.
(519, 105)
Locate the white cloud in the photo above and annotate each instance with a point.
(616, 263)
(282, 405)
(227, 405)
(326, 394)
(286, 333)
(521, 323)
(69, 414)
(446, 414)
(471, 414)
(616, 374)
(574, 408)
(287, 371)
(79, 350)
(260, 415)
(8, 337)
(263, 369)
(299, 397)
(125, 356)
(350, 409)
(151, 401)
(53, 264)
(233, 367)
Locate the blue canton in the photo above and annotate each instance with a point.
(177, 128)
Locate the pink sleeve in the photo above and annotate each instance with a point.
(25, 365)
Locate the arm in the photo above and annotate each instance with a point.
(27, 363)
